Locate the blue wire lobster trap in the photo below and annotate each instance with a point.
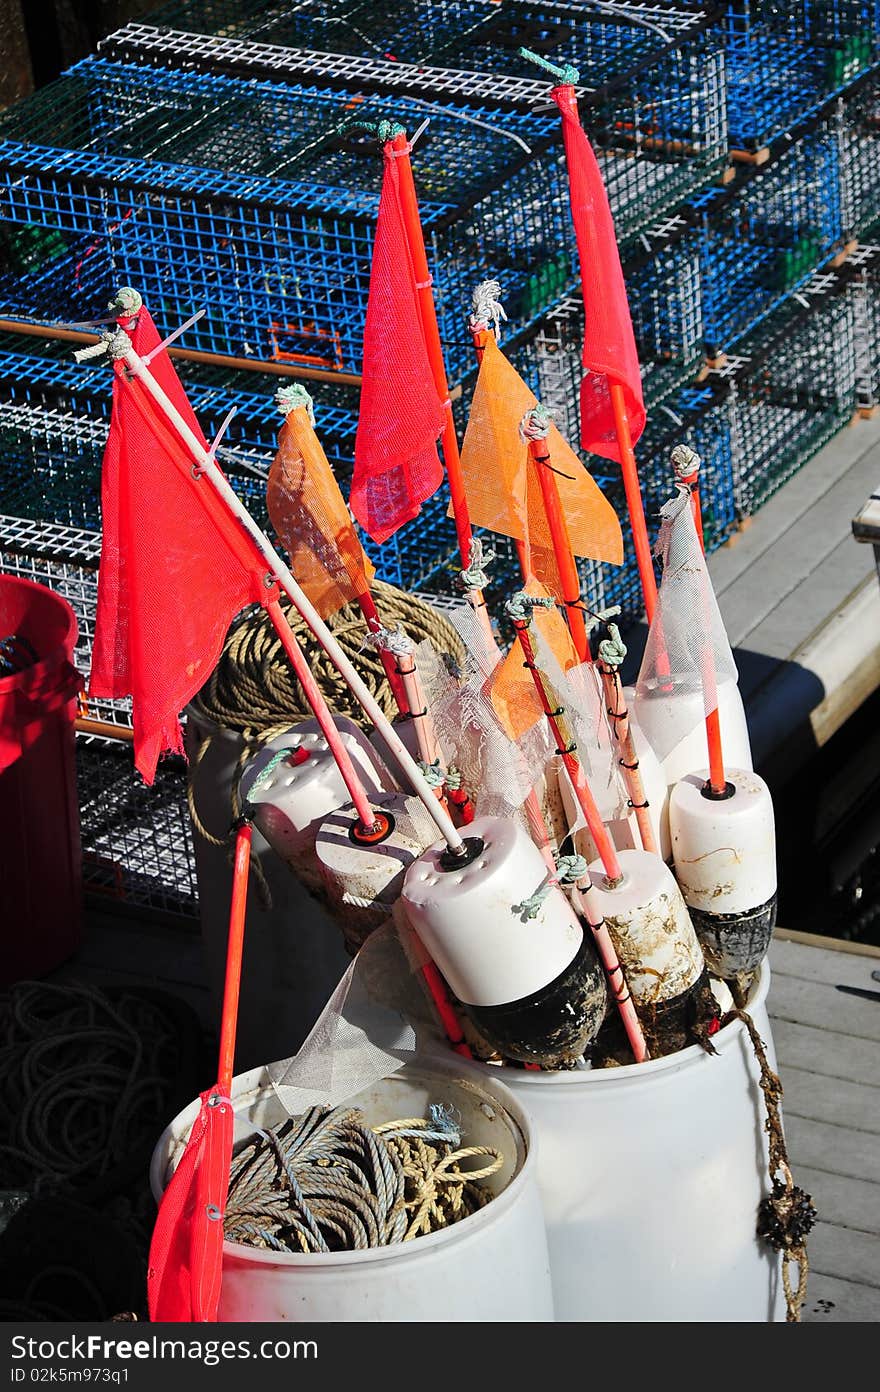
(784, 56)
(761, 241)
(652, 91)
(258, 201)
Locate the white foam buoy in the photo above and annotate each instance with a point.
(363, 877)
(662, 715)
(725, 863)
(292, 794)
(516, 958)
(658, 950)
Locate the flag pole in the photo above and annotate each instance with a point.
(234, 955)
(119, 346)
(519, 610)
(686, 469)
(535, 428)
(397, 147)
(564, 93)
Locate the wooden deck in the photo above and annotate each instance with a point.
(801, 603)
(828, 1051)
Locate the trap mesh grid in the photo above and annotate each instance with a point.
(258, 201)
(782, 58)
(652, 89)
(857, 128)
(760, 241)
(54, 418)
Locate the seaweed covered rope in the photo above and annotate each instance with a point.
(326, 1182)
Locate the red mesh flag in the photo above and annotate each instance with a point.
(175, 567)
(396, 464)
(186, 1251)
(609, 354)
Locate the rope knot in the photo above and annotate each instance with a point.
(535, 424)
(433, 774)
(486, 307)
(287, 399)
(393, 640)
(612, 650)
(685, 461)
(519, 607)
(126, 303)
(476, 576)
(571, 868)
(453, 778)
(115, 344)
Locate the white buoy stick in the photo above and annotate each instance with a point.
(120, 346)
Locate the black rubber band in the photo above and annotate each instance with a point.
(628, 766)
(570, 750)
(637, 806)
(560, 710)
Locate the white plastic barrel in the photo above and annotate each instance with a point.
(293, 951)
(651, 1176)
(491, 1266)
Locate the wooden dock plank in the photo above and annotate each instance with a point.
(831, 1300)
(821, 1005)
(827, 1053)
(844, 1202)
(832, 1100)
(850, 968)
(811, 485)
(845, 1253)
(816, 593)
(840, 1150)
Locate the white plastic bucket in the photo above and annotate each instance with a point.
(294, 953)
(651, 1176)
(490, 1266)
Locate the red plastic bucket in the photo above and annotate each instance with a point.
(40, 857)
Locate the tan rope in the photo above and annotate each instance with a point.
(327, 1181)
(254, 692)
(787, 1215)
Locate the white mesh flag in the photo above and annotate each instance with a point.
(687, 655)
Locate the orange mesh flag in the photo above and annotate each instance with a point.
(512, 689)
(502, 486)
(609, 354)
(309, 514)
(186, 1251)
(396, 464)
(175, 567)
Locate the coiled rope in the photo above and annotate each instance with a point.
(254, 692)
(328, 1182)
(85, 1082)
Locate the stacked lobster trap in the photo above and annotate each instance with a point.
(224, 158)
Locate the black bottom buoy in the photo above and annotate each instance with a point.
(669, 1025)
(737, 942)
(554, 1026)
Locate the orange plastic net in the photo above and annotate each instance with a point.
(311, 519)
(513, 691)
(501, 480)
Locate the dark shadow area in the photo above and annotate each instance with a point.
(91, 1077)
